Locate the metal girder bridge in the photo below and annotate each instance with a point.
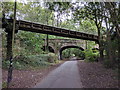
(46, 29)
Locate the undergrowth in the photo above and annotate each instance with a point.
(32, 61)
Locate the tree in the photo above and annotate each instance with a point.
(106, 17)
(92, 11)
(60, 8)
(112, 21)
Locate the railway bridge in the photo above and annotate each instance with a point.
(45, 29)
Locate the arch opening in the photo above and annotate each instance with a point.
(50, 49)
(74, 49)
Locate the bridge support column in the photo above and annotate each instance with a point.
(9, 53)
(59, 58)
(59, 55)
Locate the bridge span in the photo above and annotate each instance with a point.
(46, 29)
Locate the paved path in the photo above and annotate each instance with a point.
(65, 76)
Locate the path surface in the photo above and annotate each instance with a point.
(65, 76)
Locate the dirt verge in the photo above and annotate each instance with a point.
(27, 78)
(94, 75)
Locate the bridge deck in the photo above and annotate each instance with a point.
(45, 29)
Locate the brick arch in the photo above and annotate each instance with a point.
(65, 47)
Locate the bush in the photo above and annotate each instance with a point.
(4, 85)
(107, 64)
(81, 55)
(90, 55)
(5, 64)
(52, 58)
(114, 64)
(20, 62)
(75, 52)
(32, 61)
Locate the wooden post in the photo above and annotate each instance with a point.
(45, 45)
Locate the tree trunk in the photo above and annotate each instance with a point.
(99, 39)
(100, 44)
(101, 50)
(109, 48)
(119, 57)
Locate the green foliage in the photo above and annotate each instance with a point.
(52, 58)
(66, 53)
(73, 52)
(103, 12)
(84, 17)
(7, 7)
(87, 26)
(114, 63)
(91, 55)
(4, 85)
(5, 64)
(32, 61)
(31, 43)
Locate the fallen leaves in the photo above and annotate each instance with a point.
(94, 75)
